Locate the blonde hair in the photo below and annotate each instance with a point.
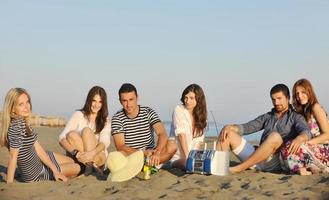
(7, 115)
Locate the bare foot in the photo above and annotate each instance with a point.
(303, 171)
(315, 170)
(234, 170)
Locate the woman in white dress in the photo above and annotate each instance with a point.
(87, 134)
(189, 121)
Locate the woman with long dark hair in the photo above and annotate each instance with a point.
(86, 136)
(189, 121)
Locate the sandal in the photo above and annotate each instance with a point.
(88, 169)
(98, 170)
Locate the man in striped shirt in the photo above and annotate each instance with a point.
(133, 129)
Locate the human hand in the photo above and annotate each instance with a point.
(59, 176)
(85, 157)
(154, 159)
(148, 152)
(295, 144)
(311, 142)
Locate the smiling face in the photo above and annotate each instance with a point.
(190, 101)
(301, 95)
(22, 108)
(128, 101)
(280, 102)
(96, 104)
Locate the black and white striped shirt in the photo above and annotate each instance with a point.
(28, 161)
(138, 131)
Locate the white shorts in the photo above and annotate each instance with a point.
(244, 151)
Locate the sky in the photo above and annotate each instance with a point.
(235, 50)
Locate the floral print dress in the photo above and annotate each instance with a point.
(308, 155)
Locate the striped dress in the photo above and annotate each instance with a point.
(28, 162)
(138, 131)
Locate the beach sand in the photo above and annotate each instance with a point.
(167, 184)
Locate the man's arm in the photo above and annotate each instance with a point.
(254, 125)
(243, 129)
(162, 136)
(161, 143)
(119, 141)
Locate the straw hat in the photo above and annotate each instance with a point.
(124, 167)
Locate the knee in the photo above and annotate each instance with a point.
(171, 147)
(86, 131)
(231, 136)
(275, 138)
(72, 135)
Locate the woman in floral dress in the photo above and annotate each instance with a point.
(312, 156)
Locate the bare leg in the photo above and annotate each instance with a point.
(89, 143)
(232, 142)
(68, 167)
(315, 170)
(168, 152)
(265, 150)
(100, 159)
(75, 140)
(303, 171)
(88, 139)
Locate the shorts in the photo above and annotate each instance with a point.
(82, 166)
(245, 150)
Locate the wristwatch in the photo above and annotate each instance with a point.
(74, 152)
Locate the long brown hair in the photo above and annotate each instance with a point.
(200, 111)
(102, 113)
(305, 110)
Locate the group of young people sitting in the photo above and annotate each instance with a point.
(295, 137)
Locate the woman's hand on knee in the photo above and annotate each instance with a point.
(85, 157)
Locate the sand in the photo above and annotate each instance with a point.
(167, 184)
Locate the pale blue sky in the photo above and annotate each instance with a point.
(236, 50)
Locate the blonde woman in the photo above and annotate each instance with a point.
(25, 151)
